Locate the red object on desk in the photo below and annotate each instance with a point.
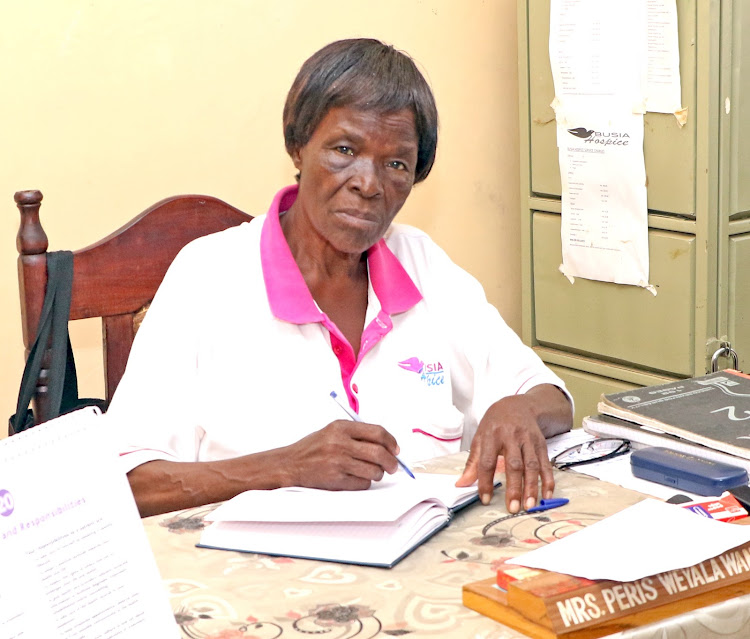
(724, 508)
(509, 573)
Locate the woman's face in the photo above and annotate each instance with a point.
(356, 171)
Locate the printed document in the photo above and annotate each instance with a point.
(595, 49)
(663, 88)
(625, 51)
(611, 62)
(75, 558)
(604, 209)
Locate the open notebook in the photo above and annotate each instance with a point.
(375, 527)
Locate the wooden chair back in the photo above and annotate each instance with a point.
(115, 278)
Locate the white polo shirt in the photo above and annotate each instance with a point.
(235, 357)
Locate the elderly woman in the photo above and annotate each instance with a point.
(229, 383)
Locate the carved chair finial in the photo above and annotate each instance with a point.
(31, 238)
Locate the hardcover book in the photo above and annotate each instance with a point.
(712, 410)
(374, 527)
(642, 436)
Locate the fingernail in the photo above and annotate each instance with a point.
(398, 449)
(514, 507)
(530, 503)
(485, 497)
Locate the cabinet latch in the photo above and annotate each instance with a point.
(724, 350)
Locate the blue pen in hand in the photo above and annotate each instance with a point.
(355, 418)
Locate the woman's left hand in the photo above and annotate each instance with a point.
(515, 427)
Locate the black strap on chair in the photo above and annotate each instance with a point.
(62, 383)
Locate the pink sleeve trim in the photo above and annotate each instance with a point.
(441, 439)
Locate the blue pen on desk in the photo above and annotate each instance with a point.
(355, 418)
(548, 504)
(544, 504)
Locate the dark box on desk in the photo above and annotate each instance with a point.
(686, 472)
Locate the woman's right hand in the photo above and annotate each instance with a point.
(344, 455)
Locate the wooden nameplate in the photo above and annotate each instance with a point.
(549, 605)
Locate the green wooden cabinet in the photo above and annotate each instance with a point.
(586, 389)
(603, 337)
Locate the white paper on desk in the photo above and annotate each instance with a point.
(604, 212)
(74, 558)
(642, 540)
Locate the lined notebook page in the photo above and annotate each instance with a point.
(385, 500)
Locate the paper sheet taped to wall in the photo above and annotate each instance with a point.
(627, 52)
(611, 61)
(604, 225)
(595, 50)
(663, 89)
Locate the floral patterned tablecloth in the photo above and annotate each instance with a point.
(229, 595)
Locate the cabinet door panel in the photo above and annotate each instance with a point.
(739, 298)
(669, 149)
(736, 112)
(545, 168)
(586, 390)
(612, 322)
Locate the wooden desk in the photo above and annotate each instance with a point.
(226, 595)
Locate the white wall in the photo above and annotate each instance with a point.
(109, 106)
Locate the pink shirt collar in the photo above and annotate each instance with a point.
(288, 295)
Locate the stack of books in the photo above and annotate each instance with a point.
(707, 416)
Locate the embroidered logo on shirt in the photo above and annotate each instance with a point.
(431, 374)
(413, 364)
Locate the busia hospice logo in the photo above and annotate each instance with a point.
(6, 503)
(612, 138)
(431, 374)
